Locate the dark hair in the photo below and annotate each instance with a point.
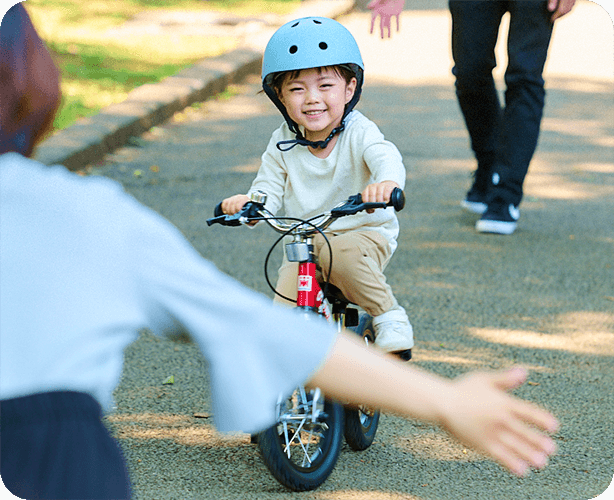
(277, 79)
(29, 84)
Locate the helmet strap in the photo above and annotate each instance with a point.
(300, 140)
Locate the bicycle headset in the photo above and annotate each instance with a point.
(310, 42)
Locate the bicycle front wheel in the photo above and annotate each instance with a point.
(301, 450)
(361, 422)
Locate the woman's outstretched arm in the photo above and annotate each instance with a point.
(475, 408)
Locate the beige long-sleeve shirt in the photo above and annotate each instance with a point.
(305, 185)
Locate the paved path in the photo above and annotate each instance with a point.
(543, 297)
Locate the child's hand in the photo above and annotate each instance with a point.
(483, 416)
(378, 193)
(232, 205)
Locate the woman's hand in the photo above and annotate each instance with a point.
(481, 414)
(559, 8)
(386, 9)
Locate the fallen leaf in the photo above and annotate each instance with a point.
(170, 380)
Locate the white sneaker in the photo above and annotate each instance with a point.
(393, 331)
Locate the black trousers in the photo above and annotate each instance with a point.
(503, 138)
(54, 445)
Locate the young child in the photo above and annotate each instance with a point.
(313, 73)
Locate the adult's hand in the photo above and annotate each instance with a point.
(385, 9)
(559, 8)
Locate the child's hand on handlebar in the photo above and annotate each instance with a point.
(378, 193)
(232, 205)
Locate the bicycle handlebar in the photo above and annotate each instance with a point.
(255, 211)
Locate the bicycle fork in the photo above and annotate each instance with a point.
(309, 294)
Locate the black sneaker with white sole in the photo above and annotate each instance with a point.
(499, 218)
(475, 202)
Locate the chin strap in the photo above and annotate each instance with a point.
(300, 140)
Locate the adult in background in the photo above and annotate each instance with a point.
(503, 139)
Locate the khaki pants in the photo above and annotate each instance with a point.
(359, 260)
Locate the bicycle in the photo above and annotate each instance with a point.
(302, 448)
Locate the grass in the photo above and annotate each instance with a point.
(99, 68)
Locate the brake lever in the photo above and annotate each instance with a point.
(351, 209)
(243, 216)
(355, 204)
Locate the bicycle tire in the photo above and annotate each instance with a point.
(360, 424)
(304, 476)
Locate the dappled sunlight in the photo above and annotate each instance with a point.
(445, 357)
(599, 168)
(247, 168)
(581, 332)
(167, 49)
(153, 48)
(94, 94)
(579, 128)
(544, 186)
(418, 57)
(576, 51)
(553, 181)
(580, 85)
(182, 429)
(160, 36)
(435, 445)
(446, 165)
(468, 358)
(363, 495)
(237, 108)
(605, 141)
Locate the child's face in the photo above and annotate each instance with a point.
(316, 99)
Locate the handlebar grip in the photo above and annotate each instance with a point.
(397, 199)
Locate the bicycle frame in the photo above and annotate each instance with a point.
(301, 449)
(309, 293)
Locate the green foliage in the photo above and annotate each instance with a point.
(87, 62)
(94, 77)
(224, 4)
(99, 69)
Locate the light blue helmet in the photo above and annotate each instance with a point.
(311, 42)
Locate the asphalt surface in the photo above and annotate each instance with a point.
(543, 297)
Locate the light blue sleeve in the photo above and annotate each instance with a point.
(250, 344)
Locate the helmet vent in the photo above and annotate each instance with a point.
(293, 49)
(317, 22)
(323, 45)
(295, 25)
